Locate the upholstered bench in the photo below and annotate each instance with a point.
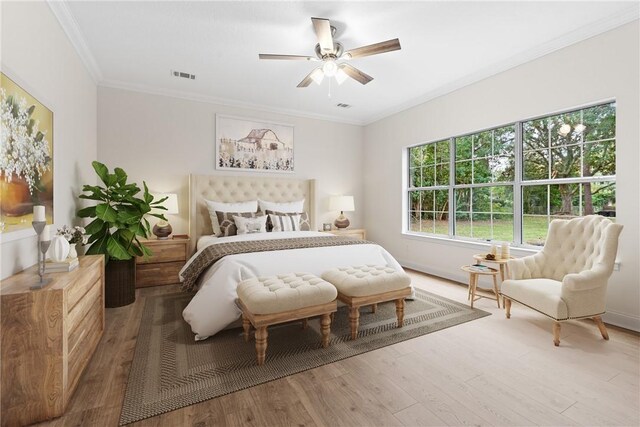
(369, 285)
(267, 301)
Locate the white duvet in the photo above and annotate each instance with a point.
(213, 307)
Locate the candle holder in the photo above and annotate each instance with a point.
(43, 247)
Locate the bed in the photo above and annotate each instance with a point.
(213, 307)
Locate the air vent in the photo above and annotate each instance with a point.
(341, 105)
(183, 75)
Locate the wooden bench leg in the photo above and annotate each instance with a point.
(400, 311)
(374, 308)
(246, 325)
(325, 326)
(305, 323)
(507, 306)
(261, 344)
(354, 320)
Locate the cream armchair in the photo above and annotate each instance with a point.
(568, 278)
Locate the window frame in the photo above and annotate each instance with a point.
(517, 185)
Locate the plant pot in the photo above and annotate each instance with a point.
(16, 198)
(120, 283)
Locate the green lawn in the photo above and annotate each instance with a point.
(535, 229)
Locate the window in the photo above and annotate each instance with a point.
(508, 183)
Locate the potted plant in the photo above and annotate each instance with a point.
(119, 222)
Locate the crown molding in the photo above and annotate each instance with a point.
(72, 30)
(190, 96)
(606, 24)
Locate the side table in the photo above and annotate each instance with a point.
(473, 284)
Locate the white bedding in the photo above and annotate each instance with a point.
(213, 307)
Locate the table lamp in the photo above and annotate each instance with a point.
(163, 229)
(342, 204)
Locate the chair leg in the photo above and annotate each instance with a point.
(600, 325)
(374, 308)
(400, 312)
(507, 306)
(354, 320)
(325, 327)
(261, 344)
(246, 325)
(556, 333)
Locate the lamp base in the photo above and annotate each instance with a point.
(161, 231)
(342, 221)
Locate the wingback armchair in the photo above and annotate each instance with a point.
(568, 278)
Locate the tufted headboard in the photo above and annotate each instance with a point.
(226, 188)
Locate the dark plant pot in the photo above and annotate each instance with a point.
(120, 283)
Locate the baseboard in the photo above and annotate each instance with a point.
(611, 317)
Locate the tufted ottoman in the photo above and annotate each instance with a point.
(267, 301)
(369, 285)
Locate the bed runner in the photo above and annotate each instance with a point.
(214, 253)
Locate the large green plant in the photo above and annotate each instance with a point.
(119, 216)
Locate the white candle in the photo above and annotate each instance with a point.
(505, 251)
(38, 213)
(46, 234)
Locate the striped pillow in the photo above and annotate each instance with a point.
(285, 222)
(305, 225)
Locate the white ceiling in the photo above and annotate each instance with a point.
(445, 45)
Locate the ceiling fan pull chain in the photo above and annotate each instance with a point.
(330, 87)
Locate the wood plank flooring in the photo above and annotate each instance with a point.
(491, 371)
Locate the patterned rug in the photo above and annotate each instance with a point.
(170, 370)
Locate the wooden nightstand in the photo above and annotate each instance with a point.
(357, 233)
(162, 268)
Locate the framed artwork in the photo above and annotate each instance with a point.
(253, 145)
(26, 158)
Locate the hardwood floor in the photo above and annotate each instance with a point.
(491, 371)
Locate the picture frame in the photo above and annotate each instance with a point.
(326, 226)
(253, 145)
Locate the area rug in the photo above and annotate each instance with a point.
(170, 370)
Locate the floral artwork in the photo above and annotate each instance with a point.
(26, 157)
(252, 145)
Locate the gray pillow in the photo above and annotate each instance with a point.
(228, 225)
(305, 225)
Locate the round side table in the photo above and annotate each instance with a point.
(502, 264)
(473, 284)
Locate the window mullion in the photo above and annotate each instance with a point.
(452, 180)
(517, 185)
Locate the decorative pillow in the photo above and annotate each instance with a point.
(213, 207)
(285, 222)
(287, 207)
(228, 225)
(250, 225)
(305, 225)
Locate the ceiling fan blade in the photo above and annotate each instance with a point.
(293, 57)
(374, 49)
(356, 74)
(323, 32)
(308, 79)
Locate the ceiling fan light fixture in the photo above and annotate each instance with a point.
(317, 75)
(330, 68)
(341, 76)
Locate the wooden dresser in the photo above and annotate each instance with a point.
(358, 233)
(48, 337)
(162, 268)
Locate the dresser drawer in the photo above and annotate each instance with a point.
(81, 286)
(165, 252)
(165, 273)
(90, 300)
(85, 339)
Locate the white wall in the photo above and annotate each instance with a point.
(37, 55)
(599, 68)
(163, 139)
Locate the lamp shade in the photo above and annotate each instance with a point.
(341, 203)
(171, 203)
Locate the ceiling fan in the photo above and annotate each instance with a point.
(330, 52)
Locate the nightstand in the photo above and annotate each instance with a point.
(161, 268)
(357, 233)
